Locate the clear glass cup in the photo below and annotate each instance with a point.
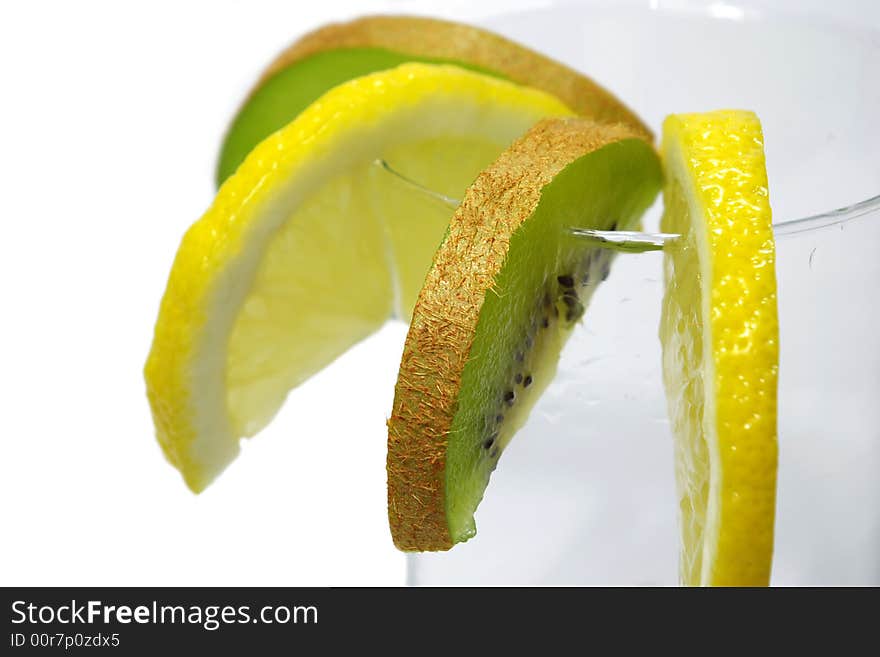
(585, 492)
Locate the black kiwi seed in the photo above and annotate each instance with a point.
(509, 397)
(494, 452)
(545, 322)
(606, 270)
(518, 378)
(570, 301)
(565, 280)
(499, 418)
(574, 311)
(520, 356)
(527, 381)
(491, 441)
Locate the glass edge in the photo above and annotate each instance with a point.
(831, 218)
(866, 12)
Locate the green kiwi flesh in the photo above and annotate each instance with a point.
(543, 281)
(540, 294)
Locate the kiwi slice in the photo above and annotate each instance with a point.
(506, 287)
(339, 52)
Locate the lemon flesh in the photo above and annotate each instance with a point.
(719, 331)
(310, 247)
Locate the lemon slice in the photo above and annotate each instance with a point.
(310, 247)
(719, 331)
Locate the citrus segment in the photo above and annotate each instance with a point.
(306, 250)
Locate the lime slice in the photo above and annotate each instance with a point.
(719, 332)
(507, 286)
(339, 52)
(309, 247)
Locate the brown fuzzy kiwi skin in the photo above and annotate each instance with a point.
(447, 311)
(433, 38)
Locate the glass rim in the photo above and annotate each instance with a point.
(829, 218)
(742, 11)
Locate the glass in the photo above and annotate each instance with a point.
(585, 492)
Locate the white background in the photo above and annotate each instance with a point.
(111, 117)
(110, 121)
(112, 114)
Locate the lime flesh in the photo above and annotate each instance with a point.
(287, 93)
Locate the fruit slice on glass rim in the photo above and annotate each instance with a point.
(339, 52)
(719, 332)
(506, 287)
(309, 248)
